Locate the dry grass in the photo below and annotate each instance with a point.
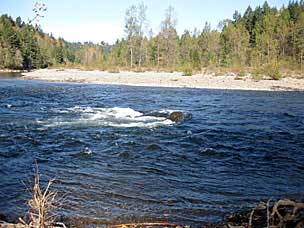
(114, 71)
(138, 70)
(41, 208)
(257, 74)
(42, 205)
(187, 71)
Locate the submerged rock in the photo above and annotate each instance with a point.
(86, 150)
(176, 116)
(124, 155)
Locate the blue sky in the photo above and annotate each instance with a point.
(97, 20)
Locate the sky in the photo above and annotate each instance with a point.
(103, 20)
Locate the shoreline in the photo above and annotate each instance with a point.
(3, 71)
(164, 79)
(262, 215)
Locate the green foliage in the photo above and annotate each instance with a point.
(187, 71)
(257, 38)
(241, 73)
(59, 54)
(23, 46)
(273, 71)
(235, 43)
(257, 74)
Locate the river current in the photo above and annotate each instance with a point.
(116, 157)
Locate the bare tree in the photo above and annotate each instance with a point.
(131, 29)
(169, 36)
(135, 28)
(39, 9)
(142, 28)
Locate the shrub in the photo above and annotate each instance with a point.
(187, 71)
(257, 77)
(114, 71)
(149, 69)
(169, 70)
(241, 73)
(221, 71)
(139, 70)
(257, 74)
(273, 71)
(238, 70)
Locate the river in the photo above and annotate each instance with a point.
(116, 157)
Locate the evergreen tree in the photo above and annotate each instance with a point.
(260, 36)
(59, 54)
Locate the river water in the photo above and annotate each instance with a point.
(116, 157)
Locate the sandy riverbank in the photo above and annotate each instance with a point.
(162, 79)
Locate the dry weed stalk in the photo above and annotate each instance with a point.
(42, 205)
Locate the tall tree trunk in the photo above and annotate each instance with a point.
(131, 50)
(157, 55)
(146, 55)
(301, 60)
(140, 53)
(293, 45)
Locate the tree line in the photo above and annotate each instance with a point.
(264, 36)
(24, 46)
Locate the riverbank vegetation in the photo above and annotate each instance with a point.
(261, 41)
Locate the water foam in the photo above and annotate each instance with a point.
(113, 117)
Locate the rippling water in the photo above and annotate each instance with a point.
(117, 158)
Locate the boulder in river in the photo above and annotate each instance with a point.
(176, 116)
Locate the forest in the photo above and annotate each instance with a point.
(261, 39)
